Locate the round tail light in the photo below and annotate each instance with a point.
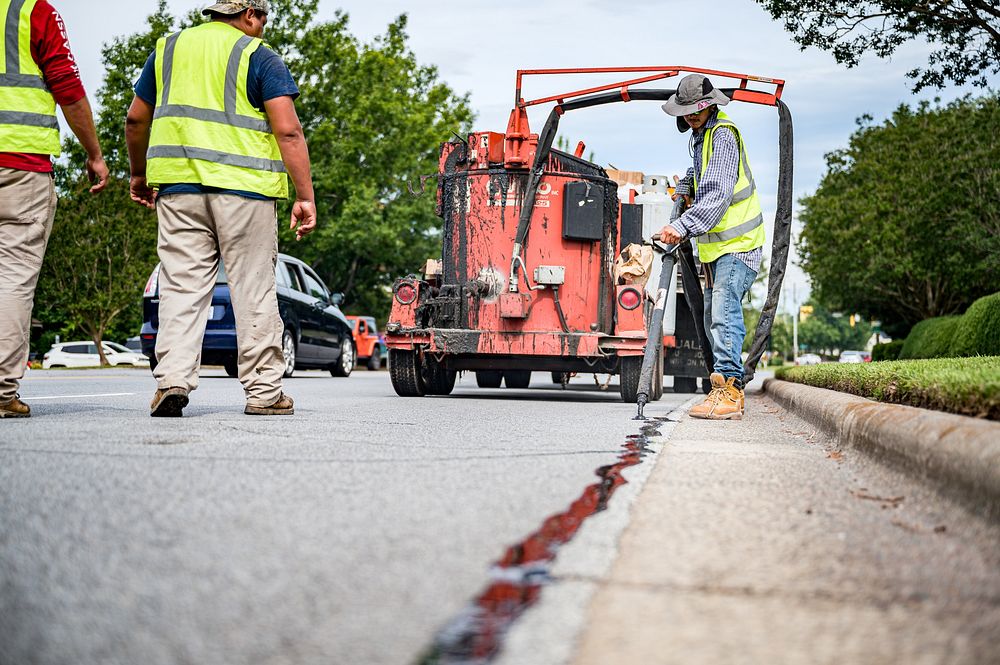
(406, 293)
(629, 299)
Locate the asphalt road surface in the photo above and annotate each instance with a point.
(347, 534)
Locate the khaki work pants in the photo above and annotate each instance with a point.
(195, 231)
(27, 210)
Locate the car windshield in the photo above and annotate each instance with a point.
(117, 347)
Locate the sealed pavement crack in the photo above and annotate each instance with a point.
(476, 635)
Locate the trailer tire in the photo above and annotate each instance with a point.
(404, 371)
(489, 379)
(438, 380)
(629, 370)
(559, 378)
(685, 384)
(517, 379)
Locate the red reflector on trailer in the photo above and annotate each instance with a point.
(406, 294)
(629, 299)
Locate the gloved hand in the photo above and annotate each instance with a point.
(684, 187)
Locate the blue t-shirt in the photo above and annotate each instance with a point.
(268, 78)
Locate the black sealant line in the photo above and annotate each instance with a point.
(476, 635)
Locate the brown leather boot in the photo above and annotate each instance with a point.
(168, 403)
(15, 408)
(283, 406)
(723, 403)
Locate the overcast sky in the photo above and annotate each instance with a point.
(479, 44)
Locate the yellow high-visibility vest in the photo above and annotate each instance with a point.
(205, 130)
(742, 227)
(28, 120)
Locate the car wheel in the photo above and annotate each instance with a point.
(375, 361)
(345, 364)
(288, 352)
(232, 368)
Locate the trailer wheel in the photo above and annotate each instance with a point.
(559, 378)
(685, 384)
(489, 379)
(519, 379)
(438, 380)
(404, 370)
(629, 369)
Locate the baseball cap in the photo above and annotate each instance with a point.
(237, 6)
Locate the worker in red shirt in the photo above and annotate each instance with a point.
(37, 72)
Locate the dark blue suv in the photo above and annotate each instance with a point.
(316, 336)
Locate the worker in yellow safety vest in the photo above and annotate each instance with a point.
(213, 137)
(724, 216)
(37, 73)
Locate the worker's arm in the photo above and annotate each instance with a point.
(295, 154)
(137, 125)
(80, 118)
(51, 52)
(715, 192)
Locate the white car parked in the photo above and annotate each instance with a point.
(809, 359)
(84, 354)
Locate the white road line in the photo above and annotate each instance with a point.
(35, 399)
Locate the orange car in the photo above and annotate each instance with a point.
(367, 342)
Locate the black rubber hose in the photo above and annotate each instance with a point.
(559, 310)
(779, 246)
(695, 297)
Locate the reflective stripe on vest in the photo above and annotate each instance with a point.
(742, 227)
(205, 130)
(28, 120)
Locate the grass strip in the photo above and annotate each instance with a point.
(966, 386)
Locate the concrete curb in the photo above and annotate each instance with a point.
(958, 453)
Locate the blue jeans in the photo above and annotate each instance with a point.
(724, 313)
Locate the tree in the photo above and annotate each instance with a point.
(965, 34)
(375, 119)
(103, 248)
(904, 225)
(827, 331)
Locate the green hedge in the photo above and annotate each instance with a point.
(888, 351)
(975, 333)
(933, 338)
(978, 332)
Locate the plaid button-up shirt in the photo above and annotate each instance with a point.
(715, 188)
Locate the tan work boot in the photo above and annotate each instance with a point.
(15, 408)
(283, 406)
(723, 403)
(168, 403)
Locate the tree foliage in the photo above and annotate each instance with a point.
(965, 34)
(905, 224)
(375, 119)
(825, 331)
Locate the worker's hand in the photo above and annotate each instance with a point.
(682, 188)
(668, 235)
(141, 192)
(304, 217)
(98, 173)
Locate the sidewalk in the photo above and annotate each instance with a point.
(760, 542)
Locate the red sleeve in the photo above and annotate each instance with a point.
(50, 49)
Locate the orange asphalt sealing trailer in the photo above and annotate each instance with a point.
(531, 233)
